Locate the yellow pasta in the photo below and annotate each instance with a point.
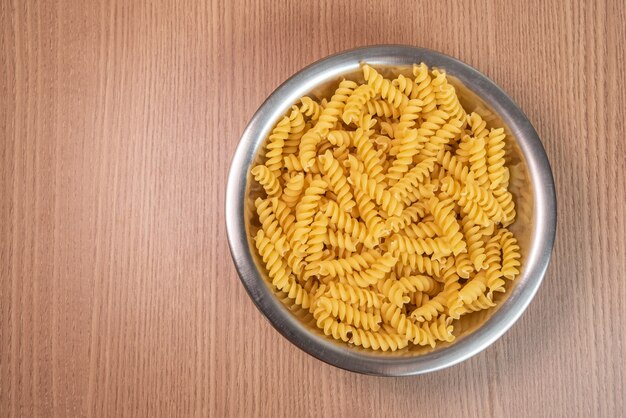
(293, 189)
(382, 340)
(473, 151)
(377, 192)
(297, 127)
(267, 179)
(493, 273)
(510, 254)
(336, 179)
(382, 108)
(270, 225)
(349, 314)
(384, 87)
(327, 120)
(354, 295)
(356, 102)
(495, 158)
(446, 97)
(383, 211)
(310, 108)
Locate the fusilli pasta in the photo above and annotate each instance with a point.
(383, 210)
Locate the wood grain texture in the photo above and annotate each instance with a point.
(118, 120)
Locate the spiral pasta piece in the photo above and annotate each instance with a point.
(381, 340)
(464, 266)
(419, 283)
(485, 199)
(437, 247)
(310, 108)
(474, 288)
(356, 103)
(297, 127)
(367, 154)
(366, 122)
(344, 266)
(340, 138)
(381, 108)
(430, 309)
(333, 110)
(354, 295)
(413, 178)
(311, 285)
(335, 177)
(445, 219)
(473, 211)
(409, 145)
(276, 267)
(406, 86)
(270, 225)
(392, 315)
(350, 315)
(345, 222)
(454, 190)
(475, 244)
(384, 87)
(292, 163)
(375, 225)
(424, 89)
(383, 143)
(450, 294)
(505, 200)
(315, 293)
(441, 138)
(293, 190)
(387, 128)
(297, 293)
(285, 218)
(408, 216)
(327, 120)
(340, 240)
(275, 144)
(409, 114)
(424, 229)
(445, 96)
(421, 192)
(452, 165)
(495, 158)
(493, 272)
(473, 150)
(374, 273)
(330, 326)
(482, 302)
(510, 254)
(440, 329)
(394, 291)
(316, 238)
(420, 263)
(267, 179)
(477, 125)
(376, 192)
(305, 210)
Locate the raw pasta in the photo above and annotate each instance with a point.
(383, 210)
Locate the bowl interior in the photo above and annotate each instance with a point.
(521, 187)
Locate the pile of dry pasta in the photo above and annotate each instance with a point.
(385, 209)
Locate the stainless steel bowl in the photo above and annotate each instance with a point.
(531, 178)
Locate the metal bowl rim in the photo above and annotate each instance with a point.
(341, 355)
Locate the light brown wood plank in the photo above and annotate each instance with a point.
(118, 121)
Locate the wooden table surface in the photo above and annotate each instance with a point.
(118, 120)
